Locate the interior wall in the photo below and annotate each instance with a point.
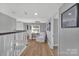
(55, 32)
(42, 26)
(50, 34)
(7, 23)
(19, 25)
(68, 37)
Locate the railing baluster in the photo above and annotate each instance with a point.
(12, 43)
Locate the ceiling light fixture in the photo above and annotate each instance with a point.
(36, 14)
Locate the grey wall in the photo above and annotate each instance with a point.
(55, 32)
(19, 25)
(50, 34)
(7, 23)
(68, 37)
(42, 26)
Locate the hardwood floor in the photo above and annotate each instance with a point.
(37, 49)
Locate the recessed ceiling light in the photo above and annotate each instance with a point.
(35, 13)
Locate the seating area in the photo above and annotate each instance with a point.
(40, 37)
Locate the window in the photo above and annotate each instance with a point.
(35, 29)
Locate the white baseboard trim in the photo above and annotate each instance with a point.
(22, 50)
(55, 44)
(50, 46)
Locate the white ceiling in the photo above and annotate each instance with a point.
(25, 11)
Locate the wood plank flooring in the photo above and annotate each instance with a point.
(37, 49)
